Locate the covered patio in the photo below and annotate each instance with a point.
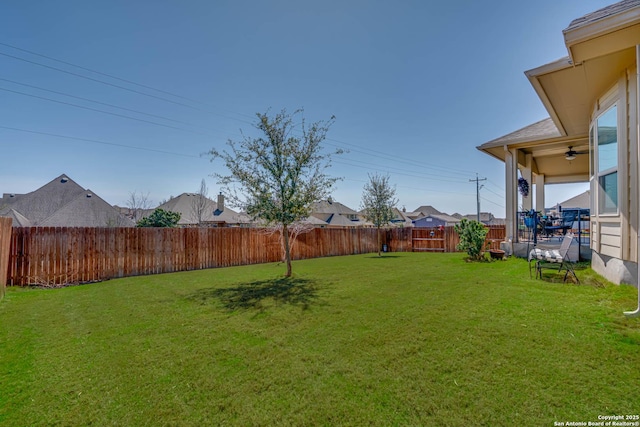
(542, 156)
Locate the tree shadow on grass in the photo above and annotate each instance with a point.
(256, 295)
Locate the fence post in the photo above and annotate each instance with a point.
(5, 239)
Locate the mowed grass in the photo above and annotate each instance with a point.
(407, 339)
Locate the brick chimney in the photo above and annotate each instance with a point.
(220, 207)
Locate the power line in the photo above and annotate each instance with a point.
(95, 141)
(169, 93)
(366, 151)
(115, 85)
(97, 102)
(102, 111)
(111, 76)
(386, 170)
(404, 171)
(492, 202)
(391, 156)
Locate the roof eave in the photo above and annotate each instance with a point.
(533, 76)
(595, 38)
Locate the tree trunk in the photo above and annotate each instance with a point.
(287, 249)
(378, 235)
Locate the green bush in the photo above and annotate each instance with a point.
(472, 235)
(160, 218)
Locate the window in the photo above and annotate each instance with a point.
(606, 145)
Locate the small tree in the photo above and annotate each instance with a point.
(378, 201)
(199, 202)
(137, 204)
(277, 177)
(472, 236)
(160, 218)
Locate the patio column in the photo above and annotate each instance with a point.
(540, 194)
(527, 202)
(510, 180)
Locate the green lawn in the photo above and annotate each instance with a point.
(408, 339)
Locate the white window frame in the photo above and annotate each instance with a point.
(606, 103)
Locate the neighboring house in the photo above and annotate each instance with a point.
(591, 136)
(427, 210)
(335, 214)
(581, 201)
(436, 220)
(486, 218)
(401, 219)
(196, 210)
(61, 203)
(414, 215)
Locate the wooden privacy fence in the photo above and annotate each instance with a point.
(58, 255)
(5, 239)
(446, 239)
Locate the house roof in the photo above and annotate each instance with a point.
(19, 220)
(331, 207)
(87, 210)
(428, 210)
(444, 217)
(484, 217)
(43, 202)
(185, 204)
(603, 13)
(401, 218)
(343, 221)
(601, 45)
(582, 200)
(312, 220)
(542, 130)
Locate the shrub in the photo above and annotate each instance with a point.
(472, 235)
(160, 218)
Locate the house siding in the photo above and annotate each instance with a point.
(632, 132)
(616, 236)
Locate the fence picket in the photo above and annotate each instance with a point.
(48, 255)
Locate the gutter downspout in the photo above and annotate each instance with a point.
(636, 313)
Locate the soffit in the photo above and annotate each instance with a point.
(547, 150)
(570, 92)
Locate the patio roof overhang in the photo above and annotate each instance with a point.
(601, 47)
(547, 147)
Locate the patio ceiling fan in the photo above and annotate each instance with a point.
(571, 154)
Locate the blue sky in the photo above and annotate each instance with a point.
(415, 86)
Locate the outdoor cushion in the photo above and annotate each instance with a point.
(549, 255)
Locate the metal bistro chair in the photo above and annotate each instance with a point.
(568, 218)
(553, 259)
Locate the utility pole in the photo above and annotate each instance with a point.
(478, 187)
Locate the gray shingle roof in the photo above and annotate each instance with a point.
(428, 210)
(19, 220)
(331, 207)
(544, 129)
(184, 204)
(44, 201)
(605, 12)
(87, 210)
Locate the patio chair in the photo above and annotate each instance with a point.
(553, 259)
(566, 224)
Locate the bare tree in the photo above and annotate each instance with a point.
(277, 177)
(378, 201)
(200, 202)
(137, 204)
